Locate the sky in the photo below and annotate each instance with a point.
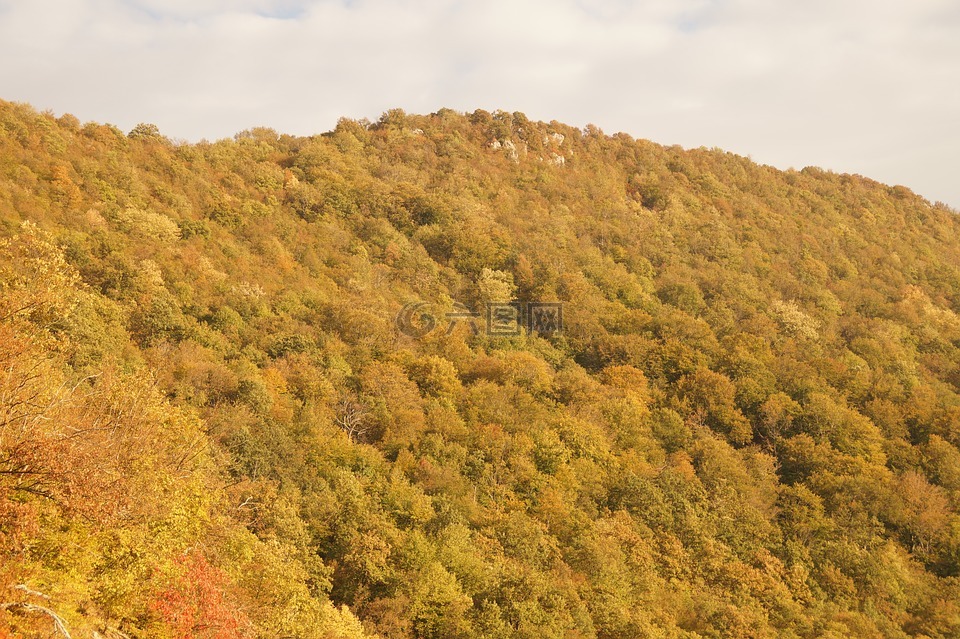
(854, 86)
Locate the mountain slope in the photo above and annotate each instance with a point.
(224, 414)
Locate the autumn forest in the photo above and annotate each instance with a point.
(252, 388)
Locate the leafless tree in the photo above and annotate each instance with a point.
(352, 418)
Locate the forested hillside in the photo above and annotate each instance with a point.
(243, 392)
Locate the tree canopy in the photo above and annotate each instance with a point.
(212, 423)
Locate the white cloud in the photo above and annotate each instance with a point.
(867, 87)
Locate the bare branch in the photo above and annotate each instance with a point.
(29, 591)
(17, 311)
(351, 417)
(58, 621)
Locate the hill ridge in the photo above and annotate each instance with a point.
(289, 386)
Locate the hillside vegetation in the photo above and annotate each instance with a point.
(221, 417)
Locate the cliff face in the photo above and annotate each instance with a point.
(468, 375)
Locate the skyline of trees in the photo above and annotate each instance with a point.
(212, 426)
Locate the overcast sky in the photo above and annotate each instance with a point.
(870, 87)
